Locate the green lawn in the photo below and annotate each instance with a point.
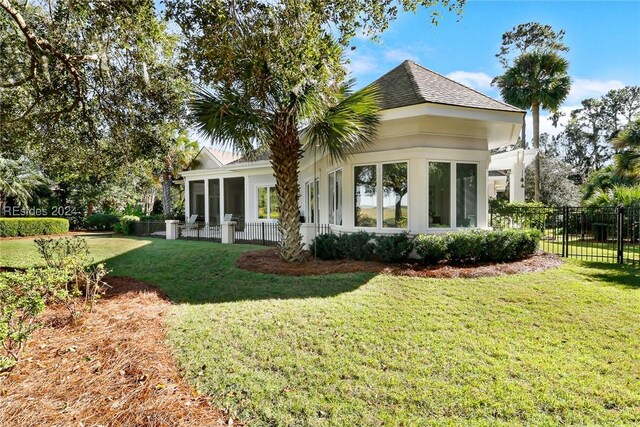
(559, 347)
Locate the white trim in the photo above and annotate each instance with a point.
(257, 188)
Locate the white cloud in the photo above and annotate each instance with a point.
(546, 126)
(399, 55)
(590, 88)
(362, 64)
(477, 80)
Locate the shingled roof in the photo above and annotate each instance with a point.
(412, 84)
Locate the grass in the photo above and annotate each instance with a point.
(546, 348)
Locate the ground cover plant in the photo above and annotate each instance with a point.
(553, 347)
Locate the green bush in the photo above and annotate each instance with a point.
(394, 247)
(127, 225)
(101, 221)
(326, 246)
(23, 296)
(357, 246)
(71, 255)
(432, 248)
(20, 227)
(466, 246)
(495, 246)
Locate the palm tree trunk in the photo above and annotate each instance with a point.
(535, 109)
(166, 195)
(286, 152)
(523, 136)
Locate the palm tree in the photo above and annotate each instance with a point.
(536, 80)
(333, 120)
(178, 158)
(18, 180)
(628, 159)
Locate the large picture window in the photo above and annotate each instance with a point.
(394, 200)
(366, 196)
(439, 195)
(335, 197)
(268, 207)
(466, 195)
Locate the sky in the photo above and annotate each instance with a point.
(603, 38)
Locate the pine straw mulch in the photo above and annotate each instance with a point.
(267, 261)
(111, 369)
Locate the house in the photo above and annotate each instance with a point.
(426, 172)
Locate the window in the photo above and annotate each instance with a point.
(466, 195)
(394, 201)
(366, 196)
(312, 207)
(439, 195)
(268, 203)
(214, 201)
(335, 197)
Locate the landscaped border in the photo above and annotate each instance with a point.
(268, 261)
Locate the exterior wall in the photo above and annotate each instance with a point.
(414, 140)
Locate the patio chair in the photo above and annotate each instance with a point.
(190, 224)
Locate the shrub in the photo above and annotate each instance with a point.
(520, 214)
(495, 246)
(71, 255)
(394, 247)
(326, 246)
(20, 227)
(127, 225)
(466, 246)
(357, 246)
(23, 296)
(432, 248)
(101, 221)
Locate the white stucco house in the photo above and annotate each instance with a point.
(427, 172)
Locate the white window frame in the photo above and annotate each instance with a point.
(380, 195)
(334, 192)
(268, 187)
(307, 201)
(453, 193)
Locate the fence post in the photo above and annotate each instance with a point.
(565, 231)
(620, 233)
(171, 229)
(263, 241)
(228, 230)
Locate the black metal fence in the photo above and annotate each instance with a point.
(591, 234)
(151, 229)
(258, 233)
(200, 231)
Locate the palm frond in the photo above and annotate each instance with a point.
(228, 118)
(347, 126)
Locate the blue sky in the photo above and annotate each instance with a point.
(603, 37)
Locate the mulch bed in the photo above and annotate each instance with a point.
(111, 369)
(267, 261)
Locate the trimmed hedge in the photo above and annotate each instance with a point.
(431, 248)
(20, 227)
(459, 247)
(393, 247)
(464, 247)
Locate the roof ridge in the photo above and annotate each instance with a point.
(460, 84)
(414, 84)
